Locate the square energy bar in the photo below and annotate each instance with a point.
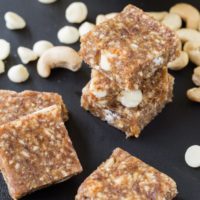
(124, 176)
(104, 99)
(36, 151)
(14, 105)
(129, 47)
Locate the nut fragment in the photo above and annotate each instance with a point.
(186, 34)
(26, 55)
(173, 21)
(2, 67)
(18, 73)
(47, 1)
(76, 12)
(188, 13)
(158, 15)
(101, 18)
(14, 21)
(41, 46)
(130, 98)
(193, 50)
(85, 28)
(68, 35)
(4, 49)
(59, 56)
(180, 62)
(194, 94)
(192, 156)
(196, 76)
(111, 15)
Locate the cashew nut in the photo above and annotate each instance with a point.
(186, 34)
(26, 55)
(101, 18)
(47, 1)
(111, 15)
(173, 21)
(158, 15)
(194, 94)
(196, 76)
(59, 56)
(76, 12)
(188, 13)
(14, 21)
(41, 46)
(85, 28)
(18, 73)
(180, 62)
(68, 35)
(193, 50)
(2, 67)
(4, 49)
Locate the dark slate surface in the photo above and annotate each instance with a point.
(163, 142)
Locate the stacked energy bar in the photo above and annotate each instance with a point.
(130, 83)
(35, 148)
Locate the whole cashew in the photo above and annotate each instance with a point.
(180, 62)
(186, 34)
(158, 15)
(196, 76)
(194, 94)
(173, 21)
(59, 56)
(193, 50)
(188, 13)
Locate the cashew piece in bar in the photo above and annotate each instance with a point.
(59, 56)
(188, 13)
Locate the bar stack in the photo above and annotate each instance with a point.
(129, 82)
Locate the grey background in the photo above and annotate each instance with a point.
(162, 143)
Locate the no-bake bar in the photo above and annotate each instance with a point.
(13, 104)
(129, 47)
(124, 176)
(36, 151)
(101, 97)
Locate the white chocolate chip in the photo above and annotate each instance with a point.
(85, 28)
(158, 61)
(4, 49)
(26, 55)
(104, 61)
(76, 12)
(192, 156)
(41, 46)
(2, 67)
(68, 35)
(18, 73)
(110, 116)
(14, 21)
(130, 98)
(47, 1)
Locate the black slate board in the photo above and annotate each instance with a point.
(162, 143)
